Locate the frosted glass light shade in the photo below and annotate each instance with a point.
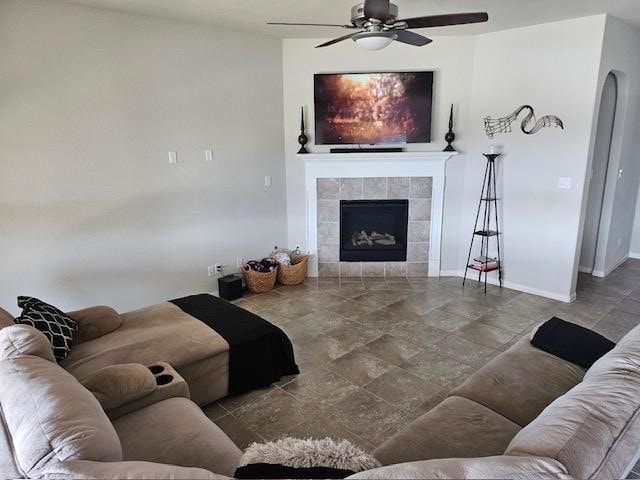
(374, 40)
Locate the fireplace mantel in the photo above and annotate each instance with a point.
(372, 165)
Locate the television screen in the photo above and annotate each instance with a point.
(373, 108)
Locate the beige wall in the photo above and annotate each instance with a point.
(553, 67)
(90, 102)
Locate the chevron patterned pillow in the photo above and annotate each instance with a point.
(57, 326)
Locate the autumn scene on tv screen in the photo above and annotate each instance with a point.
(373, 108)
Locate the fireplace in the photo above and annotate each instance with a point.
(373, 230)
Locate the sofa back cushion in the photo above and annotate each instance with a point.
(6, 319)
(21, 340)
(47, 414)
(95, 322)
(594, 429)
(514, 468)
(624, 358)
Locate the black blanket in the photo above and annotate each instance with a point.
(259, 352)
(571, 342)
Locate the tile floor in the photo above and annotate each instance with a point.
(375, 354)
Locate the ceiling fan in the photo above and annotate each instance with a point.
(379, 25)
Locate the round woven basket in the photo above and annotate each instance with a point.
(295, 273)
(259, 282)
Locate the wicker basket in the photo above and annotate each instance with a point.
(259, 282)
(295, 273)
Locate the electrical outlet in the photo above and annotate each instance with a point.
(218, 268)
(211, 271)
(564, 183)
(267, 181)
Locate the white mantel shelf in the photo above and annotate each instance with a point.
(372, 165)
(395, 161)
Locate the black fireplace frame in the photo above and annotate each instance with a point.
(380, 254)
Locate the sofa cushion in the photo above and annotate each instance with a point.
(20, 340)
(76, 469)
(625, 357)
(6, 319)
(49, 416)
(494, 468)
(521, 382)
(8, 466)
(118, 385)
(95, 322)
(59, 328)
(457, 427)
(594, 429)
(189, 438)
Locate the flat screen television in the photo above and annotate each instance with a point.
(373, 108)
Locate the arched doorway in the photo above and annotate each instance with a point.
(591, 240)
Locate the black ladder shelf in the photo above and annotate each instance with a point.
(486, 231)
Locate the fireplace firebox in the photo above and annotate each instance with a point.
(373, 230)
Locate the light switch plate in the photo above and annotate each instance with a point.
(208, 155)
(173, 157)
(267, 181)
(564, 183)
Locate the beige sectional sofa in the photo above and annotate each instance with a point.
(54, 427)
(528, 414)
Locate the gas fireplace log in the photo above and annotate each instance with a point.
(362, 238)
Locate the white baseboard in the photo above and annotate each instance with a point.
(541, 293)
(634, 255)
(605, 273)
(451, 273)
(588, 270)
(517, 286)
(616, 265)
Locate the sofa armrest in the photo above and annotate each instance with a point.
(83, 469)
(495, 468)
(95, 322)
(123, 389)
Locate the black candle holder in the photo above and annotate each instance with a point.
(450, 137)
(302, 138)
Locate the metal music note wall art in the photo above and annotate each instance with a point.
(529, 125)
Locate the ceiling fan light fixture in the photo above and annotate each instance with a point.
(374, 40)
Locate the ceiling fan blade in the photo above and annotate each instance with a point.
(412, 38)
(311, 24)
(337, 40)
(446, 20)
(378, 9)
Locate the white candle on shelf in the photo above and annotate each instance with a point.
(495, 149)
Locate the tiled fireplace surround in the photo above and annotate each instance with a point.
(415, 176)
(418, 190)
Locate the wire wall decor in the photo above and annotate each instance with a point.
(530, 124)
